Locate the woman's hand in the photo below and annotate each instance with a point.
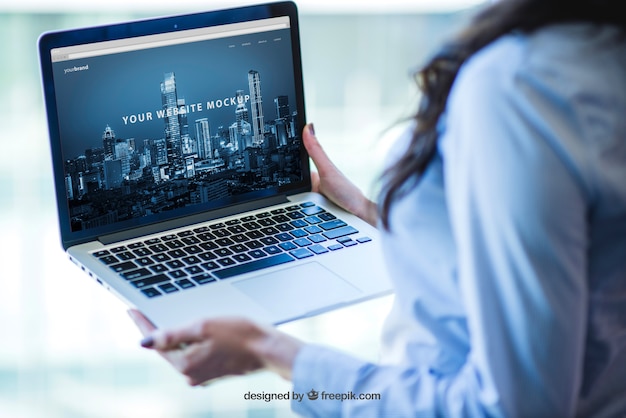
(333, 184)
(213, 348)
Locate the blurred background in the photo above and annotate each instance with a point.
(67, 347)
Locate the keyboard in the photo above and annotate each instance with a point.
(172, 262)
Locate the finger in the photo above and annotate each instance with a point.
(145, 326)
(315, 150)
(315, 182)
(175, 339)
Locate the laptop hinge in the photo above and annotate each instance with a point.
(193, 219)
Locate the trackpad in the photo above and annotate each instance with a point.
(298, 290)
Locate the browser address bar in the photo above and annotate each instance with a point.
(173, 41)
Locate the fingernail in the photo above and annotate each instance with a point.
(312, 129)
(147, 342)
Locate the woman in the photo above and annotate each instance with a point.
(505, 228)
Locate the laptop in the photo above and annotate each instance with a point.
(181, 180)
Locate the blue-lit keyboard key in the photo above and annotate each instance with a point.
(301, 253)
(318, 249)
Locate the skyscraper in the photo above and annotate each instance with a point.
(170, 116)
(241, 113)
(256, 103)
(282, 107)
(203, 139)
(108, 142)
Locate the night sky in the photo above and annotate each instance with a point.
(124, 84)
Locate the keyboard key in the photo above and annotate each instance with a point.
(118, 249)
(102, 253)
(255, 265)
(254, 234)
(347, 242)
(144, 261)
(295, 215)
(307, 204)
(161, 257)
(142, 252)
(175, 264)
(193, 249)
(269, 240)
(242, 257)
(284, 227)
(185, 234)
(201, 230)
(301, 253)
(237, 229)
(270, 230)
(248, 218)
(126, 255)
(284, 237)
(178, 253)
(335, 247)
(281, 218)
(168, 288)
(177, 274)
(158, 268)
(173, 244)
(191, 260)
(327, 216)
(340, 232)
(206, 246)
(221, 233)
(150, 281)
(219, 225)
(302, 242)
(313, 210)
(211, 265)
(263, 215)
(299, 223)
(254, 244)
(278, 211)
(336, 223)
(318, 249)
(313, 229)
(193, 270)
(298, 233)
(316, 238)
(126, 266)
(226, 261)
(206, 236)
(257, 254)
(150, 292)
(363, 240)
(152, 241)
(239, 238)
(203, 278)
(287, 246)
(266, 222)
(238, 248)
(224, 242)
(158, 248)
(292, 208)
(223, 252)
(185, 284)
(232, 222)
(190, 240)
(207, 256)
(272, 249)
(313, 220)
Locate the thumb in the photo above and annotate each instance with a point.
(315, 150)
(167, 340)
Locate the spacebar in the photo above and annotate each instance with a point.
(253, 266)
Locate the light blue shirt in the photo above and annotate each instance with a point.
(509, 257)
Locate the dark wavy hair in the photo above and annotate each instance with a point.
(435, 79)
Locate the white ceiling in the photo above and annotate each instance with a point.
(305, 6)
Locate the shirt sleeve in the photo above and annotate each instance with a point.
(518, 217)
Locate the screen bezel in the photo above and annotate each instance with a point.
(155, 26)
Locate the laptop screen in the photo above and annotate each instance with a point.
(165, 125)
